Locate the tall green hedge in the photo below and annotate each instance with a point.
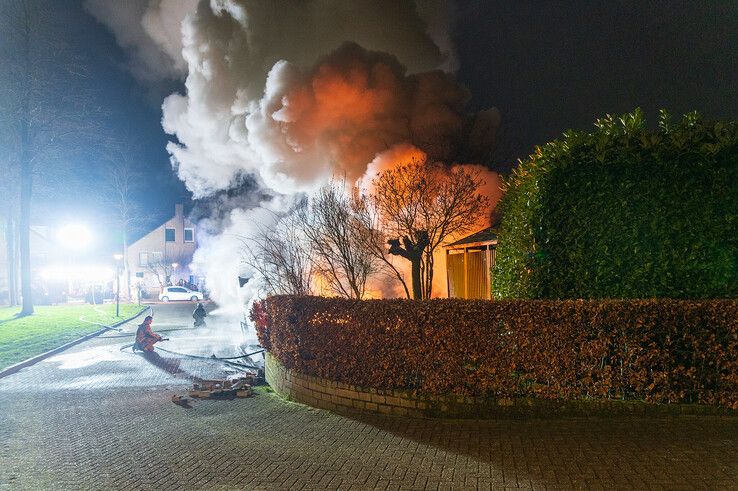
(624, 212)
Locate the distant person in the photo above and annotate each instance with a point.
(199, 315)
(145, 337)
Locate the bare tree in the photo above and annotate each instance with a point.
(11, 256)
(374, 240)
(43, 116)
(164, 266)
(122, 182)
(335, 229)
(281, 255)
(9, 209)
(420, 205)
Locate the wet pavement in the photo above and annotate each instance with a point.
(100, 417)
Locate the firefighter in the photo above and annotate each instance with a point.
(199, 315)
(145, 337)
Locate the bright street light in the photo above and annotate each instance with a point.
(74, 236)
(90, 274)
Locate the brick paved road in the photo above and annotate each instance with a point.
(99, 418)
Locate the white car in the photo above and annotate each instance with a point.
(179, 293)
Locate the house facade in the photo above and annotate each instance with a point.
(162, 257)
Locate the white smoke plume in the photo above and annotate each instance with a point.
(254, 90)
(151, 30)
(293, 93)
(219, 256)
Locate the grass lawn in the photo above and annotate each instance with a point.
(50, 327)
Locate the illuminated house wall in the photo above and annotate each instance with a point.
(174, 241)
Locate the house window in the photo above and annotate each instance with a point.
(169, 235)
(157, 258)
(143, 259)
(189, 235)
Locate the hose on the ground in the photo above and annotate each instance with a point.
(241, 365)
(225, 359)
(187, 355)
(237, 357)
(211, 357)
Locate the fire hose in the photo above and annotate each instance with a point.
(211, 357)
(226, 359)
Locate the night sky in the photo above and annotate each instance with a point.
(547, 66)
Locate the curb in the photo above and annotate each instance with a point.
(35, 359)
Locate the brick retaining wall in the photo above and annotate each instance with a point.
(339, 397)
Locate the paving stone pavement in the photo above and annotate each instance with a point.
(97, 417)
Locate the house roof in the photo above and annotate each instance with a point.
(486, 235)
(138, 235)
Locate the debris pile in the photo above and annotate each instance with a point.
(222, 389)
(182, 401)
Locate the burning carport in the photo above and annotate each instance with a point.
(469, 263)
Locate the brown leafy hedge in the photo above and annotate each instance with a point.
(667, 351)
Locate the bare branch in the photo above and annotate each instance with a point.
(281, 255)
(421, 204)
(336, 229)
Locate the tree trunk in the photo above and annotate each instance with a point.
(16, 263)
(126, 268)
(417, 283)
(413, 252)
(12, 262)
(428, 280)
(24, 233)
(26, 173)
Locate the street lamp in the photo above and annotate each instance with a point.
(118, 258)
(174, 271)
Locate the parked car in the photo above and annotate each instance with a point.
(171, 293)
